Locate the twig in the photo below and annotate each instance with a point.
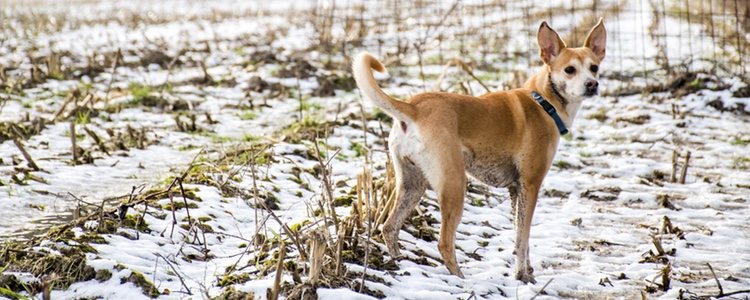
(673, 175)
(469, 71)
(184, 200)
(25, 154)
(683, 174)
(96, 139)
(156, 265)
(182, 281)
(71, 97)
(73, 142)
(721, 289)
(174, 216)
(317, 254)
(302, 252)
(369, 195)
(340, 249)
(442, 20)
(115, 64)
(542, 290)
(279, 270)
(326, 181)
(138, 221)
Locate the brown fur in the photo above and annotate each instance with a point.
(503, 139)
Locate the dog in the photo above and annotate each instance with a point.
(503, 139)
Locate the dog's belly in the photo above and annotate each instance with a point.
(496, 171)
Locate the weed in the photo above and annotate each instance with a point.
(563, 164)
(248, 115)
(139, 92)
(738, 141)
(358, 149)
(741, 163)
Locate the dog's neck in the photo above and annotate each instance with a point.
(542, 83)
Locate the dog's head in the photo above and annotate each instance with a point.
(574, 71)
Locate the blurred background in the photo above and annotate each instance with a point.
(650, 41)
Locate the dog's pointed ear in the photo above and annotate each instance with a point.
(550, 44)
(597, 39)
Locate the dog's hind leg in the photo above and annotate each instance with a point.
(450, 183)
(410, 186)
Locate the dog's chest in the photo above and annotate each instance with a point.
(497, 171)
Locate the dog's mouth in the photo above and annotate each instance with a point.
(591, 93)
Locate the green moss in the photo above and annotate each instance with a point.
(563, 164)
(204, 227)
(231, 279)
(178, 204)
(382, 116)
(109, 226)
(477, 202)
(230, 293)
(135, 222)
(137, 279)
(251, 138)
(296, 227)
(307, 129)
(103, 275)
(345, 200)
(61, 233)
(91, 237)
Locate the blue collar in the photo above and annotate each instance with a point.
(551, 111)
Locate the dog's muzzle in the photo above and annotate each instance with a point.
(592, 88)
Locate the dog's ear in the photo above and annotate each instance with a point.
(550, 43)
(597, 39)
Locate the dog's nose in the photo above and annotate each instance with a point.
(592, 84)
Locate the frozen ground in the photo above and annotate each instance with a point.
(240, 101)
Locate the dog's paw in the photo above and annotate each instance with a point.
(525, 277)
(394, 252)
(456, 271)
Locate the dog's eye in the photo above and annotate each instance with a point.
(594, 68)
(570, 70)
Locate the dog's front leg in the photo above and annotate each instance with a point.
(524, 211)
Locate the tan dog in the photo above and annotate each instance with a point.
(504, 139)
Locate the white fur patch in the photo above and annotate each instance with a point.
(406, 144)
(409, 145)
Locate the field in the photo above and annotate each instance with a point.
(209, 149)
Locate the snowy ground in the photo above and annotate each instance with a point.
(234, 96)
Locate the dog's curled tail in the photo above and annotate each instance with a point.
(362, 66)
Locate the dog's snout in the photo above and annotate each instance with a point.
(592, 84)
(591, 87)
